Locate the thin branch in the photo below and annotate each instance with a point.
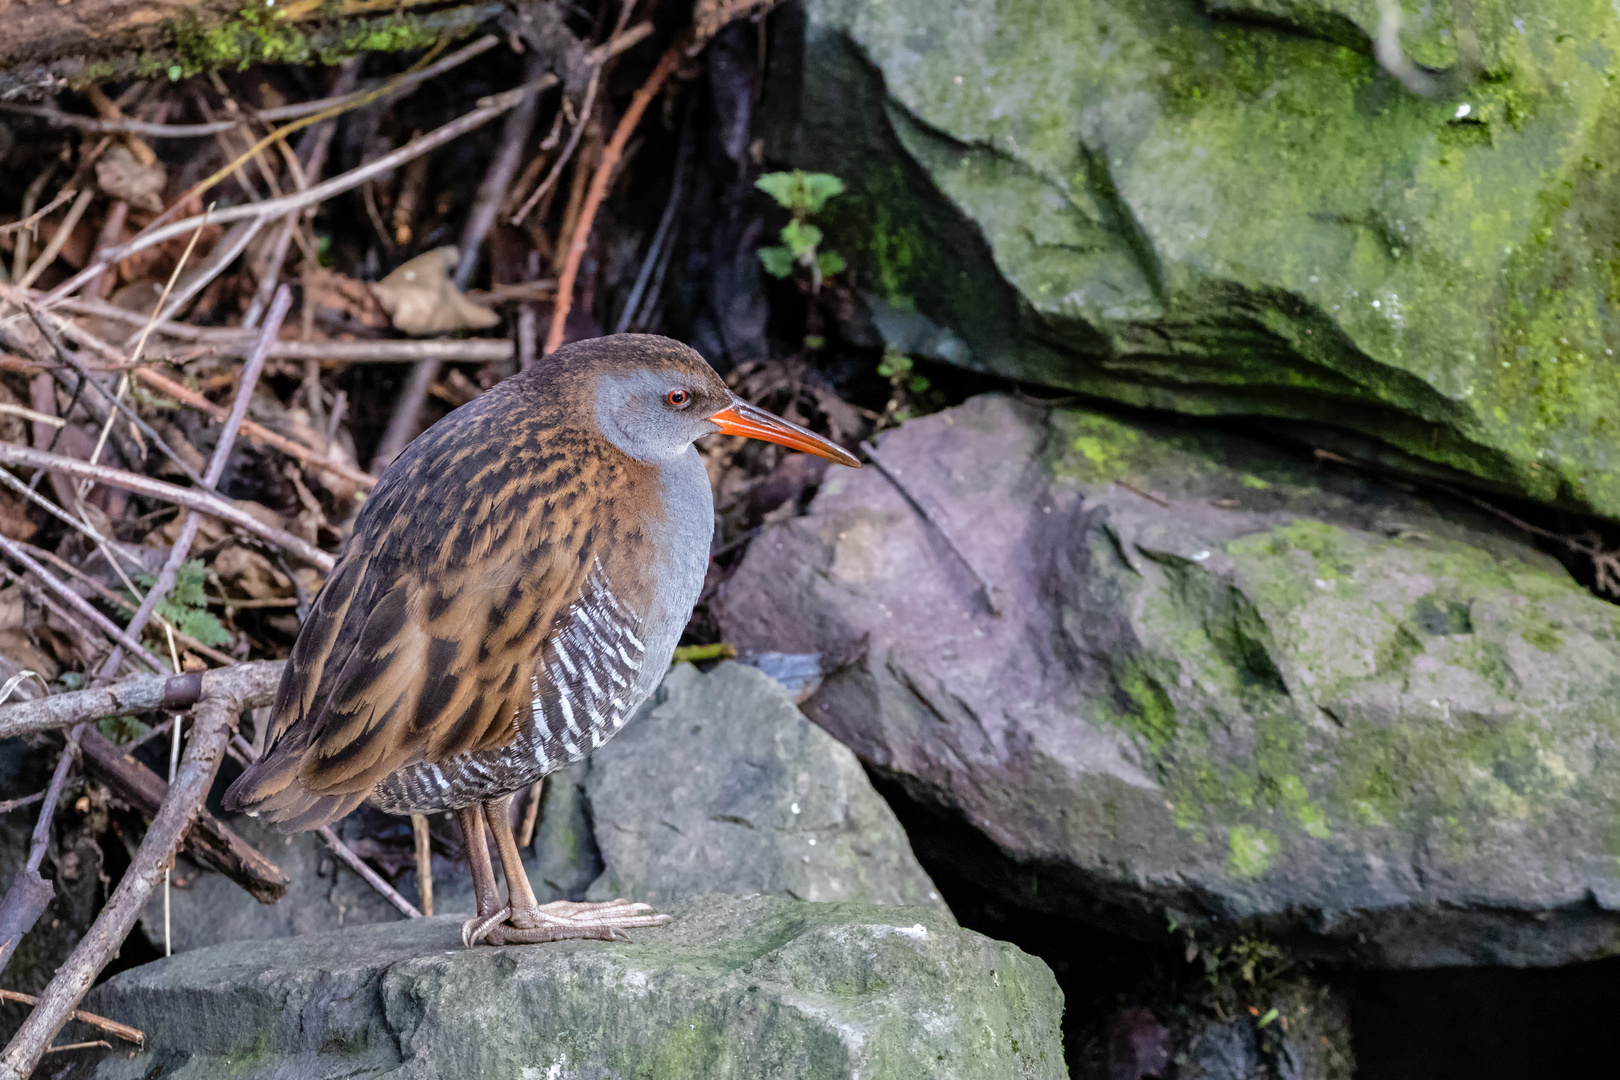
(116, 401)
(488, 108)
(531, 814)
(101, 309)
(211, 726)
(254, 683)
(465, 350)
(59, 119)
(209, 842)
(666, 228)
(191, 498)
(17, 804)
(567, 154)
(232, 244)
(39, 215)
(492, 189)
(667, 65)
(255, 431)
(618, 43)
(38, 595)
(118, 600)
(424, 862)
(70, 221)
(30, 894)
(933, 521)
(372, 878)
(392, 92)
(216, 468)
(111, 1027)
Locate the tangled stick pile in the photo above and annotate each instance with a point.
(197, 339)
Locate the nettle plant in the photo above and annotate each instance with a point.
(801, 194)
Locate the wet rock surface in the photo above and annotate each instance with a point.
(734, 987)
(1226, 688)
(1231, 208)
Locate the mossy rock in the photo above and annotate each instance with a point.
(733, 988)
(1229, 208)
(1227, 689)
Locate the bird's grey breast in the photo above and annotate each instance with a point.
(681, 555)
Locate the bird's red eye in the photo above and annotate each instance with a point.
(678, 399)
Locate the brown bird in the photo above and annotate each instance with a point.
(514, 588)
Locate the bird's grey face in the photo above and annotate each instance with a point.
(655, 415)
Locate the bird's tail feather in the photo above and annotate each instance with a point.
(270, 789)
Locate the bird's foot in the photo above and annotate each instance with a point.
(478, 927)
(564, 920)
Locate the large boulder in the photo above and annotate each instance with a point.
(718, 785)
(725, 787)
(1226, 689)
(734, 987)
(1229, 207)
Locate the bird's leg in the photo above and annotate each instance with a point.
(490, 911)
(531, 922)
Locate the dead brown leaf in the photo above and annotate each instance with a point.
(120, 174)
(247, 573)
(422, 301)
(15, 642)
(338, 300)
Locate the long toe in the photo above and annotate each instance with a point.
(574, 913)
(479, 927)
(566, 920)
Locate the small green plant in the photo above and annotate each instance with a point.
(910, 392)
(801, 194)
(186, 606)
(121, 729)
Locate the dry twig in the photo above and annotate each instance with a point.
(488, 108)
(424, 862)
(253, 682)
(30, 893)
(211, 727)
(191, 498)
(216, 468)
(73, 600)
(39, 215)
(667, 65)
(111, 1027)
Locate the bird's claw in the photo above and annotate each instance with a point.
(479, 927)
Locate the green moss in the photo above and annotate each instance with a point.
(1286, 232)
(1304, 809)
(1096, 449)
(1147, 708)
(1544, 636)
(259, 33)
(255, 33)
(1251, 851)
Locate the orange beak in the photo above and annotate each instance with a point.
(752, 422)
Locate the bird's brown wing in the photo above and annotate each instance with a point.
(423, 643)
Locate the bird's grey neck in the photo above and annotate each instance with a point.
(681, 541)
